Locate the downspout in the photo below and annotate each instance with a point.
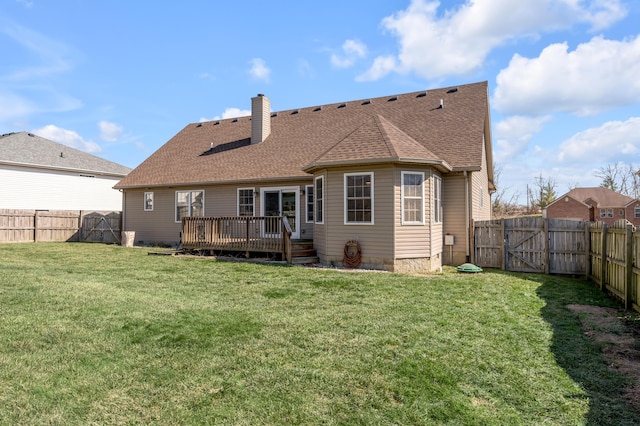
(467, 214)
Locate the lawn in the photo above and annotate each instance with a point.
(96, 334)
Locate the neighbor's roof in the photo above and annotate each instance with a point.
(604, 197)
(28, 150)
(409, 127)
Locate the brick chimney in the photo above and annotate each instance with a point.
(260, 118)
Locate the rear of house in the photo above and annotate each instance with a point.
(396, 174)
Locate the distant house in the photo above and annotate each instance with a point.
(595, 204)
(39, 174)
(397, 174)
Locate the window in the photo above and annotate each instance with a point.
(358, 198)
(603, 212)
(636, 212)
(412, 194)
(309, 194)
(437, 199)
(620, 212)
(148, 201)
(246, 204)
(609, 212)
(189, 203)
(319, 200)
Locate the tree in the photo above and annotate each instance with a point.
(620, 177)
(545, 192)
(503, 205)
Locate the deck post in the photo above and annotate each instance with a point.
(247, 237)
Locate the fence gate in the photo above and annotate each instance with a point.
(525, 244)
(101, 228)
(532, 244)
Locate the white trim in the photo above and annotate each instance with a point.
(281, 189)
(344, 198)
(306, 203)
(175, 206)
(253, 200)
(402, 175)
(322, 198)
(437, 211)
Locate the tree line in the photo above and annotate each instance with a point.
(623, 178)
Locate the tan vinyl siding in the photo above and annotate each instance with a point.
(376, 240)
(412, 241)
(159, 226)
(481, 197)
(453, 196)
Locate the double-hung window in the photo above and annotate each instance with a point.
(358, 198)
(148, 201)
(309, 202)
(412, 193)
(319, 200)
(246, 203)
(636, 212)
(189, 204)
(437, 199)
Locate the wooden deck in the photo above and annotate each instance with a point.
(266, 234)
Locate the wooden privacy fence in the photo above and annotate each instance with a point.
(270, 234)
(610, 256)
(59, 225)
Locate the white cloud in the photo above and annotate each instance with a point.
(352, 50)
(109, 132)
(611, 142)
(259, 70)
(67, 137)
(229, 113)
(457, 41)
(596, 76)
(513, 135)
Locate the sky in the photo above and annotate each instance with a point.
(118, 79)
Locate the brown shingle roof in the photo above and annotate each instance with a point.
(404, 127)
(604, 197)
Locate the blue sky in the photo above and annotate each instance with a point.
(120, 78)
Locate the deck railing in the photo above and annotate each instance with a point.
(267, 234)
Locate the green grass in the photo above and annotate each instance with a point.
(94, 334)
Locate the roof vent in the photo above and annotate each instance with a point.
(342, 106)
(421, 95)
(274, 114)
(199, 125)
(441, 104)
(452, 90)
(216, 123)
(317, 109)
(235, 120)
(366, 102)
(295, 111)
(394, 98)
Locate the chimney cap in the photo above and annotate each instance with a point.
(260, 94)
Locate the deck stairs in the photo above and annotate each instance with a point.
(303, 253)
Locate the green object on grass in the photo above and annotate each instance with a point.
(468, 267)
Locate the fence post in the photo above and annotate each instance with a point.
(35, 227)
(504, 246)
(547, 255)
(603, 266)
(628, 297)
(587, 241)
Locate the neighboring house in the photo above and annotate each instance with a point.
(39, 174)
(595, 204)
(395, 173)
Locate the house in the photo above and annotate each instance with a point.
(39, 174)
(595, 204)
(404, 176)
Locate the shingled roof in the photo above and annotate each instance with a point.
(411, 127)
(603, 197)
(29, 150)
